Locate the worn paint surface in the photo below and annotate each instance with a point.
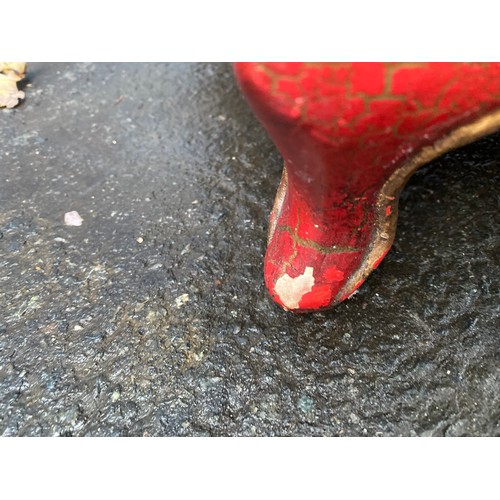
(344, 129)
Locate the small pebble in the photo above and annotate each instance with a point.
(140, 239)
(181, 300)
(72, 218)
(306, 403)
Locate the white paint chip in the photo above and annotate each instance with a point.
(291, 290)
(72, 218)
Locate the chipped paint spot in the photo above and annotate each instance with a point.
(291, 290)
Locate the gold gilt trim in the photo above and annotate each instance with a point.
(278, 204)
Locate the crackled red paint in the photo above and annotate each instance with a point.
(343, 130)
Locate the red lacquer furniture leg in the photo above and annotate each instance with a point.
(351, 135)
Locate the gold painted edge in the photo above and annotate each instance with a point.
(278, 204)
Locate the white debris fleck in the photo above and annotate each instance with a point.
(78, 328)
(354, 418)
(72, 218)
(181, 300)
(291, 290)
(140, 239)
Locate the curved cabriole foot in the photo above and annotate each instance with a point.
(351, 135)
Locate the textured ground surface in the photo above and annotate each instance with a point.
(152, 319)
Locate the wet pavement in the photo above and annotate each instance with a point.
(151, 318)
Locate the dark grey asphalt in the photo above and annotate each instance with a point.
(152, 317)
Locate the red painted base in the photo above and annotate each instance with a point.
(351, 135)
